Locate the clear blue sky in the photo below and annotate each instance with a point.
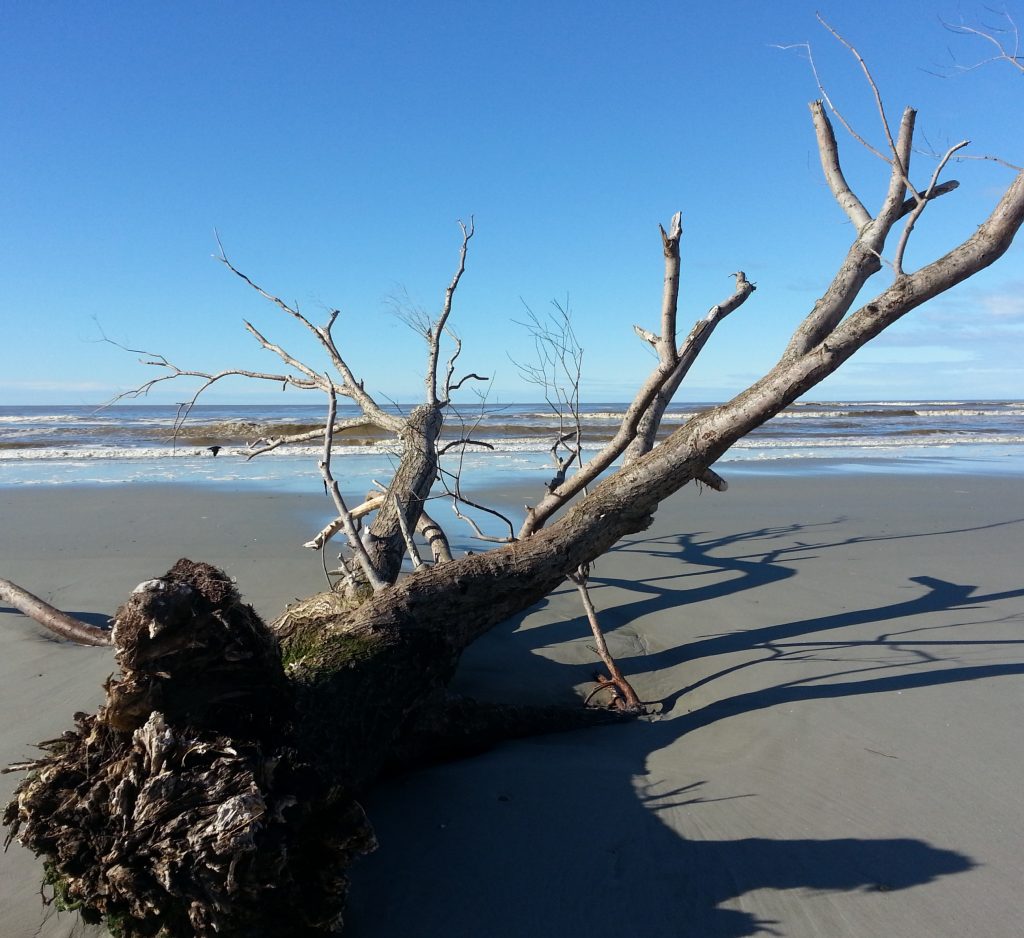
(334, 146)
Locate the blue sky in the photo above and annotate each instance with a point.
(335, 145)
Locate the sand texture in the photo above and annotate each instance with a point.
(839, 667)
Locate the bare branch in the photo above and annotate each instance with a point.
(452, 444)
(647, 428)
(893, 149)
(899, 182)
(666, 345)
(558, 373)
(922, 201)
(434, 338)
(668, 374)
(160, 361)
(477, 530)
(963, 157)
(472, 376)
(457, 497)
(309, 435)
(357, 546)
(626, 698)
(346, 572)
(933, 192)
(330, 530)
(806, 46)
(317, 379)
(713, 480)
(410, 544)
(276, 300)
(646, 335)
(52, 618)
(863, 259)
(828, 151)
(1011, 55)
(350, 387)
(562, 465)
(354, 389)
(450, 368)
(208, 379)
(406, 311)
(435, 537)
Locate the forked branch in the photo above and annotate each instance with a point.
(1008, 52)
(656, 392)
(373, 577)
(650, 422)
(349, 386)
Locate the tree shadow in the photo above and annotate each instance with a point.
(552, 835)
(777, 643)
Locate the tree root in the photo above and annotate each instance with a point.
(623, 699)
(183, 808)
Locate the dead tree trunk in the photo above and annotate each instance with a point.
(229, 756)
(408, 490)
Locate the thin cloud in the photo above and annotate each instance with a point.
(1002, 303)
(1007, 304)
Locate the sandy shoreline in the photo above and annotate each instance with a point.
(840, 664)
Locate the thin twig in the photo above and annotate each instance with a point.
(922, 201)
(438, 328)
(452, 444)
(457, 497)
(354, 542)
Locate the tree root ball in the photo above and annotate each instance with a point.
(183, 807)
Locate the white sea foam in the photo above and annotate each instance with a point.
(888, 442)
(81, 446)
(963, 413)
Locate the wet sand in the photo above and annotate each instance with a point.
(837, 664)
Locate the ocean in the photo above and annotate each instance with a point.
(58, 445)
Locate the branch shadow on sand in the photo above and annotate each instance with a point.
(554, 835)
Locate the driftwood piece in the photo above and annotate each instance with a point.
(56, 621)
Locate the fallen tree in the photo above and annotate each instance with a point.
(216, 791)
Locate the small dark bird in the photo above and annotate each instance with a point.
(215, 449)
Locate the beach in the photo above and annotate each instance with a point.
(835, 662)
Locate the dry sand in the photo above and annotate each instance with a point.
(840, 666)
